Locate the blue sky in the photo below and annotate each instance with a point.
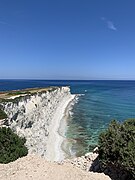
(67, 39)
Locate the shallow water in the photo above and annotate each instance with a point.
(103, 101)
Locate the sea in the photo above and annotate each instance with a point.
(99, 102)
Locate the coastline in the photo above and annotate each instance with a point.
(54, 151)
(67, 143)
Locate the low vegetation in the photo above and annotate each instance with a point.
(15, 100)
(14, 93)
(3, 115)
(5, 97)
(117, 147)
(11, 146)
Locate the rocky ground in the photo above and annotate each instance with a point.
(86, 162)
(33, 167)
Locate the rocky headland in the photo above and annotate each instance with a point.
(36, 115)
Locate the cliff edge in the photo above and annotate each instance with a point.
(36, 168)
(34, 114)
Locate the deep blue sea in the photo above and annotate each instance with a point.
(102, 101)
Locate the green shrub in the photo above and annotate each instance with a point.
(14, 93)
(3, 115)
(11, 146)
(117, 146)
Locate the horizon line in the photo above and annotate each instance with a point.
(69, 79)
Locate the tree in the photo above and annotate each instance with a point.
(117, 146)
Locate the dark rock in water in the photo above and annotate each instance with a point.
(92, 147)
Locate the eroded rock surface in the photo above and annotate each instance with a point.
(31, 115)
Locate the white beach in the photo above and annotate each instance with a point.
(54, 151)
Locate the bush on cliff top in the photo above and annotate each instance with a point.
(2, 114)
(117, 146)
(11, 146)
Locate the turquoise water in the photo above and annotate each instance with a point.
(102, 101)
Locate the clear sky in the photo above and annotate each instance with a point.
(67, 39)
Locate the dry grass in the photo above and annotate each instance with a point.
(9, 94)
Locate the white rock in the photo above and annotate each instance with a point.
(31, 116)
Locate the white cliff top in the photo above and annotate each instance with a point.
(17, 93)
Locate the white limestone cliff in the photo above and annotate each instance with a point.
(31, 115)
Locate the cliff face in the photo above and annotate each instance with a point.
(31, 116)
